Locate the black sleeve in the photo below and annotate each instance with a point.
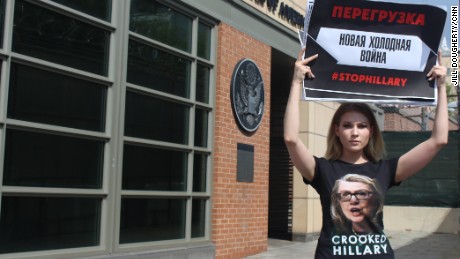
(315, 183)
(393, 164)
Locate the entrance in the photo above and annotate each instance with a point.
(281, 168)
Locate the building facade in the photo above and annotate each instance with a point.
(119, 137)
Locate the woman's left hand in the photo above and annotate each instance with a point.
(438, 72)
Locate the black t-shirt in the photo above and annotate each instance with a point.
(359, 205)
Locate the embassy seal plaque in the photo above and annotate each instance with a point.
(247, 94)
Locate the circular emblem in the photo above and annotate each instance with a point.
(247, 93)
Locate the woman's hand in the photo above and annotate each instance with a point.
(438, 72)
(301, 68)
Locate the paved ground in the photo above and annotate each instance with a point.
(405, 244)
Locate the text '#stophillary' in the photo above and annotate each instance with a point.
(369, 79)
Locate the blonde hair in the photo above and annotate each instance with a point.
(373, 151)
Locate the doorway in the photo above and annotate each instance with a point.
(281, 168)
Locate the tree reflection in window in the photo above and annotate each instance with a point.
(158, 22)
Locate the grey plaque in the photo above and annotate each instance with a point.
(245, 163)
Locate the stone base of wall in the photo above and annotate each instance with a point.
(422, 219)
(193, 252)
(304, 237)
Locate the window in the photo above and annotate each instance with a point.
(2, 20)
(45, 34)
(204, 41)
(153, 118)
(152, 219)
(45, 223)
(166, 99)
(105, 147)
(97, 8)
(139, 161)
(48, 160)
(158, 70)
(49, 97)
(161, 23)
(202, 83)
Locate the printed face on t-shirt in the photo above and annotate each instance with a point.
(356, 200)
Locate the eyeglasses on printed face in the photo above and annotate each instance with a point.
(360, 195)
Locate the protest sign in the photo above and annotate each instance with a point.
(372, 51)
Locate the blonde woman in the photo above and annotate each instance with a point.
(355, 145)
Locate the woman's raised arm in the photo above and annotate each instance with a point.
(417, 158)
(301, 157)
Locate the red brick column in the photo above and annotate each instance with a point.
(239, 209)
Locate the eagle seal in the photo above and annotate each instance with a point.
(247, 94)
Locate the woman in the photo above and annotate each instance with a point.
(355, 145)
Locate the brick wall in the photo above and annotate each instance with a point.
(398, 122)
(395, 121)
(239, 209)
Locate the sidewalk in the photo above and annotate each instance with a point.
(406, 244)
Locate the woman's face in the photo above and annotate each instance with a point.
(355, 209)
(354, 131)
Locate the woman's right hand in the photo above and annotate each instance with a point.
(301, 68)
